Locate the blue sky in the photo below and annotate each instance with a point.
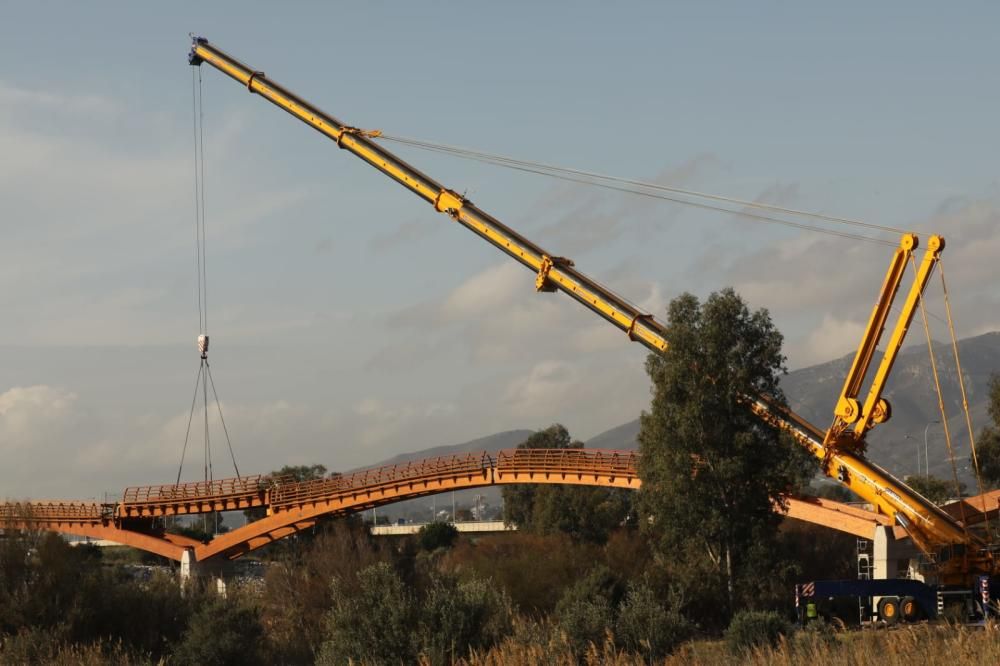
(351, 322)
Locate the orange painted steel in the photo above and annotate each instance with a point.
(595, 467)
(295, 506)
(53, 512)
(198, 497)
(836, 515)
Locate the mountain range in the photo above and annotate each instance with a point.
(812, 393)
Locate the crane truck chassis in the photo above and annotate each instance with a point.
(957, 563)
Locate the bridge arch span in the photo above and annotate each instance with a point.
(294, 506)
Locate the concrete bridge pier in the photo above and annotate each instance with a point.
(894, 558)
(193, 571)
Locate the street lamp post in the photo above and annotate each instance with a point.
(927, 466)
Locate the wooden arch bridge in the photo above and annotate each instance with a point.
(292, 506)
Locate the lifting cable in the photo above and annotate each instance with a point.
(204, 377)
(940, 397)
(658, 191)
(965, 400)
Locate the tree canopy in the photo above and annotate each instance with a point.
(711, 471)
(988, 443)
(586, 513)
(936, 490)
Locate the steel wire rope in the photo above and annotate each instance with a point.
(222, 420)
(204, 376)
(940, 397)
(965, 399)
(581, 176)
(663, 197)
(187, 434)
(197, 197)
(201, 158)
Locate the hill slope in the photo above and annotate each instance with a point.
(812, 392)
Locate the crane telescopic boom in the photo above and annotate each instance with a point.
(931, 528)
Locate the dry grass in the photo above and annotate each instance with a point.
(925, 644)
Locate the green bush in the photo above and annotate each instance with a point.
(586, 611)
(437, 535)
(221, 632)
(372, 624)
(458, 617)
(750, 629)
(383, 620)
(648, 627)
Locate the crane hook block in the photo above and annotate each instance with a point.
(203, 345)
(542, 282)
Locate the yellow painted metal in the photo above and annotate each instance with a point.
(876, 410)
(627, 317)
(848, 410)
(931, 527)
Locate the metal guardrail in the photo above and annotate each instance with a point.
(51, 512)
(283, 492)
(569, 461)
(433, 469)
(217, 489)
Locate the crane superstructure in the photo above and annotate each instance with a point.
(956, 553)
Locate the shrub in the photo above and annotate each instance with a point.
(750, 629)
(437, 535)
(372, 624)
(648, 627)
(221, 632)
(586, 611)
(458, 617)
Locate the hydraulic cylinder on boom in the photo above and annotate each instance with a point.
(839, 450)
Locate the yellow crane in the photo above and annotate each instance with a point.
(839, 449)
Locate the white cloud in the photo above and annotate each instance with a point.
(543, 391)
(33, 416)
(381, 422)
(832, 339)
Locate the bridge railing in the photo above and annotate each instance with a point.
(569, 461)
(434, 469)
(208, 491)
(50, 512)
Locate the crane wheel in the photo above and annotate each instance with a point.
(909, 609)
(888, 610)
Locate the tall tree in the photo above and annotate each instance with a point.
(586, 513)
(988, 443)
(711, 471)
(936, 490)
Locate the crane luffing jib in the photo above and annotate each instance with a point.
(931, 528)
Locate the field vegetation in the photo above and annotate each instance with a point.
(696, 568)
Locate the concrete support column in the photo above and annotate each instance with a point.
(192, 570)
(893, 558)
